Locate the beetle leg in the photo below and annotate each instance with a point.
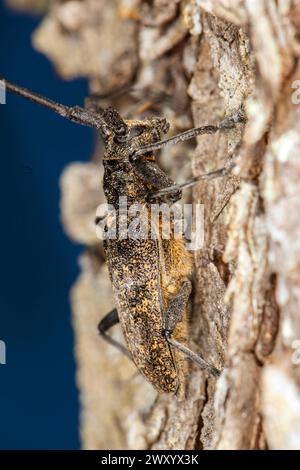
(227, 123)
(221, 172)
(100, 219)
(111, 319)
(153, 175)
(173, 315)
(145, 99)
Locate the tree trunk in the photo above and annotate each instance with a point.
(209, 57)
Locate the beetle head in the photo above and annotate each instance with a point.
(122, 137)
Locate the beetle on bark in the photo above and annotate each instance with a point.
(151, 277)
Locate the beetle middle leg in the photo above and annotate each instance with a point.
(173, 315)
(153, 175)
(221, 172)
(107, 322)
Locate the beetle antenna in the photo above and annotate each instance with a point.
(75, 114)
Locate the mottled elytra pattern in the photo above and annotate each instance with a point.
(135, 274)
(146, 273)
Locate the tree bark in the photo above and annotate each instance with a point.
(209, 57)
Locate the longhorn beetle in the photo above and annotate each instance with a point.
(151, 299)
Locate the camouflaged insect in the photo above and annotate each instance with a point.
(150, 277)
(145, 274)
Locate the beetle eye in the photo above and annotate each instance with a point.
(121, 134)
(121, 131)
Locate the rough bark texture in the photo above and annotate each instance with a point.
(208, 57)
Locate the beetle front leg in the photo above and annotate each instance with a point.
(174, 315)
(107, 322)
(227, 123)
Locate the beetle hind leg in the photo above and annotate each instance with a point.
(174, 315)
(107, 322)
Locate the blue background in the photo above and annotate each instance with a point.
(38, 394)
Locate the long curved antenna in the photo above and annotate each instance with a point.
(75, 114)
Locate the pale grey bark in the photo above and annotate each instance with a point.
(210, 56)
